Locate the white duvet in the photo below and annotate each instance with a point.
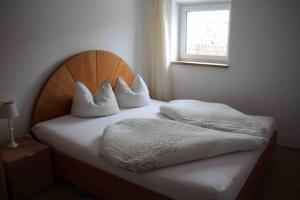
(145, 144)
(214, 116)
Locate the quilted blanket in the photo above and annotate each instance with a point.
(214, 116)
(141, 145)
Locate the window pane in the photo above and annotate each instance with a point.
(207, 33)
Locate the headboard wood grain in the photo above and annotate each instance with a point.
(91, 68)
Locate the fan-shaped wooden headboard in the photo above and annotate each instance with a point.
(91, 68)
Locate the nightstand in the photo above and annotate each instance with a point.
(28, 168)
(3, 190)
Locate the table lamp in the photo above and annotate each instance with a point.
(8, 110)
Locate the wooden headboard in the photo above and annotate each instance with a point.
(91, 68)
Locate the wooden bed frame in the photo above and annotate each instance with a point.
(55, 99)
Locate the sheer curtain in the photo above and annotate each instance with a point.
(163, 51)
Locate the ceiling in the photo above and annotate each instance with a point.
(199, 1)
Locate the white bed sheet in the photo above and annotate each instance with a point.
(220, 177)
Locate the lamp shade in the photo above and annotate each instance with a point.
(8, 110)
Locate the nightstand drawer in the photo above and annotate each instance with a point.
(29, 174)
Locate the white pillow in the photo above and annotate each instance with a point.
(85, 105)
(136, 96)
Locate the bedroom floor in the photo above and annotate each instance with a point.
(282, 181)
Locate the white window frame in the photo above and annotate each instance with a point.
(183, 32)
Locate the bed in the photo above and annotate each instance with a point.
(75, 144)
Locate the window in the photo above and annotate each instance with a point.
(204, 32)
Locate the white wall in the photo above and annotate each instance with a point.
(37, 35)
(263, 77)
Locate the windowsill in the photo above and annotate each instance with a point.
(202, 64)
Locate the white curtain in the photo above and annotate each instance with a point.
(162, 50)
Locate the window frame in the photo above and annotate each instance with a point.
(184, 9)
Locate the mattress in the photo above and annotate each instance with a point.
(220, 177)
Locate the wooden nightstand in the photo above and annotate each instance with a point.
(28, 168)
(3, 189)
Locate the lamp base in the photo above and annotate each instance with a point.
(13, 145)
